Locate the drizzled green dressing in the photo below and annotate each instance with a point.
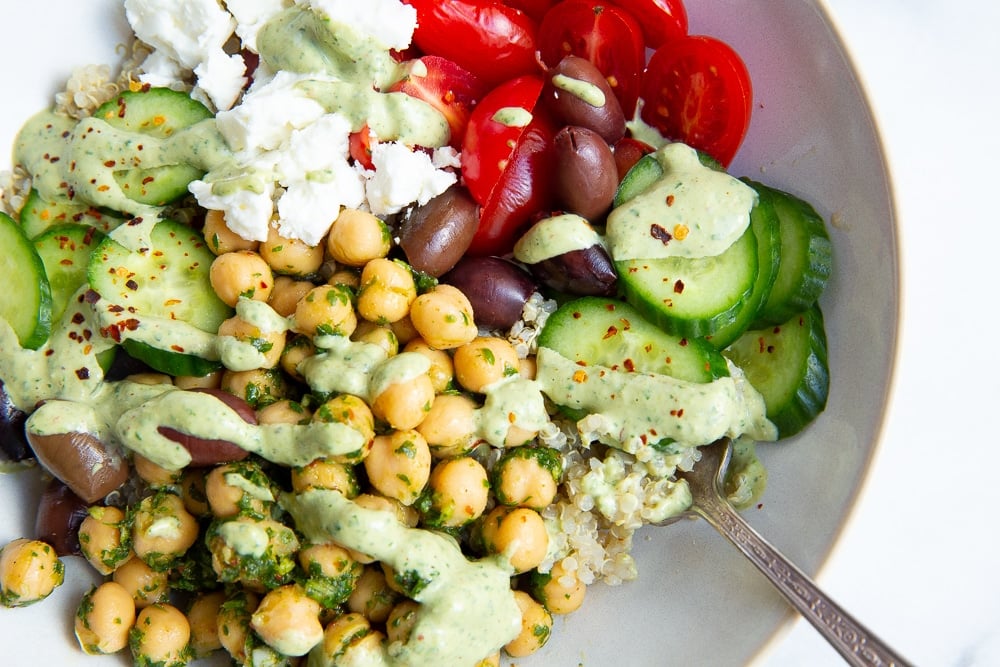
(467, 608)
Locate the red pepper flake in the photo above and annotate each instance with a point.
(49, 352)
(91, 297)
(629, 365)
(577, 314)
(109, 163)
(679, 412)
(761, 344)
(683, 342)
(147, 180)
(670, 200)
(679, 287)
(176, 348)
(659, 233)
(78, 318)
(83, 373)
(131, 284)
(579, 376)
(612, 331)
(776, 330)
(626, 325)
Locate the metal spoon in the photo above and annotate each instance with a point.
(858, 645)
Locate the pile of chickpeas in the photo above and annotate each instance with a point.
(176, 589)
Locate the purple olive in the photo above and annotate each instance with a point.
(211, 452)
(578, 94)
(58, 518)
(13, 443)
(586, 175)
(496, 288)
(586, 272)
(436, 235)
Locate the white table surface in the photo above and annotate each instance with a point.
(917, 562)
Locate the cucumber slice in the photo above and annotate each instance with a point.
(692, 297)
(26, 300)
(65, 251)
(169, 280)
(806, 258)
(38, 215)
(764, 223)
(788, 365)
(606, 332)
(158, 112)
(646, 171)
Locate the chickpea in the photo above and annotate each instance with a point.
(233, 624)
(29, 571)
(290, 257)
(443, 317)
(529, 368)
(405, 514)
(401, 620)
(192, 490)
(288, 620)
(326, 474)
(258, 387)
(270, 344)
(144, 584)
(154, 475)
(162, 530)
(160, 636)
(348, 638)
(372, 595)
(402, 391)
(297, 349)
(442, 369)
(404, 330)
(450, 426)
(209, 381)
(483, 361)
(103, 542)
(377, 334)
(490, 661)
(460, 491)
(104, 618)
(220, 238)
(353, 412)
(536, 627)
(561, 590)
(386, 292)
(286, 293)
(357, 237)
(349, 278)
(399, 465)
(236, 488)
(527, 476)
(326, 310)
(518, 533)
(332, 573)
(269, 565)
(284, 411)
(241, 273)
(203, 617)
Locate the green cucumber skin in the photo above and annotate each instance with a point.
(158, 112)
(65, 250)
(38, 215)
(609, 332)
(764, 223)
(171, 363)
(638, 178)
(806, 258)
(692, 297)
(788, 364)
(26, 300)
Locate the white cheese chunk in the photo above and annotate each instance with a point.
(401, 177)
(390, 22)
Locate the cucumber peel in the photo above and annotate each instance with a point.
(26, 300)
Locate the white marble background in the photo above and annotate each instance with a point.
(918, 563)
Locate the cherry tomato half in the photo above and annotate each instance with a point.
(506, 161)
(696, 89)
(660, 20)
(490, 140)
(446, 86)
(604, 34)
(360, 146)
(493, 41)
(534, 8)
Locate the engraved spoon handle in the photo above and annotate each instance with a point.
(851, 639)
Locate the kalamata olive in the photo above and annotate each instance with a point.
(496, 288)
(436, 235)
(586, 272)
(13, 443)
(566, 253)
(586, 177)
(89, 467)
(58, 518)
(578, 94)
(210, 452)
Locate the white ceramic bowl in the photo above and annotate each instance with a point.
(696, 602)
